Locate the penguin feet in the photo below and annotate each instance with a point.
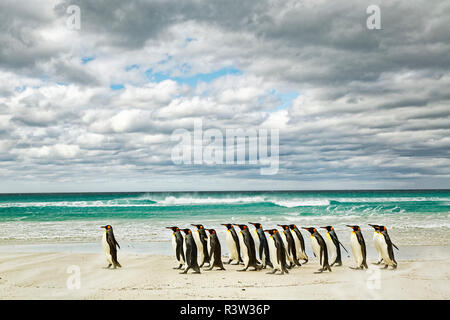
(272, 272)
(321, 270)
(109, 266)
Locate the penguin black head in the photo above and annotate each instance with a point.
(355, 228)
(285, 227)
(382, 228)
(271, 231)
(187, 231)
(257, 225)
(211, 231)
(242, 226)
(107, 227)
(292, 226)
(329, 228)
(174, 229)
(228, 225)
(310, 229)
(375, 226)
(199, 226)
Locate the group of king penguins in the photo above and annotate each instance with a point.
(280, 250)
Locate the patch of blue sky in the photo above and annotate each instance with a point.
(20, 88)
(283, 99)
(85, 60)
(166, 59)
(286, 99)
(194, 79)
(117, 86)
(131, 67)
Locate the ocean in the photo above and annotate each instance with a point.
(73, 220)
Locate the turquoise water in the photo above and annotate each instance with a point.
(412, 217)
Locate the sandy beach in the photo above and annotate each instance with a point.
(38, 275)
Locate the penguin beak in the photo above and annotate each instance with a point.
(104, 227)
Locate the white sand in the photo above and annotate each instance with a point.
(44, 276)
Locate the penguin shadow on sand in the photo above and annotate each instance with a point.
(110, 246)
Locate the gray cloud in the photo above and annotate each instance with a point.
(372, 108)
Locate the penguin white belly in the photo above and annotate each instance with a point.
(199, 244)
(244, 250)
(273, 254)
(174, 244)
(376, 243)
(285, 243)
(184, 251)
(316, 247)
(332, 250)
(208, 247)
(356, 249)
(298, 248)
(256, 239)
(106, 249)
(232, 248)
(385, 253)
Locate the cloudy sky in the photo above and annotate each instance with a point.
(94, 108)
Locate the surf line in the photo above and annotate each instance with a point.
(235, 147)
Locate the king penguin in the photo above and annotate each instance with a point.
(248, 251)
(191, 252)
(299, 243)
(109, 244)
(177, 244)
(263, 248)
(214, 250)
(334, 246)
(201, 239)
(233, 244)
(289, 243)
(376, 241)
(387, 252)
(277, 252)
(358, 246)
(319, 248)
